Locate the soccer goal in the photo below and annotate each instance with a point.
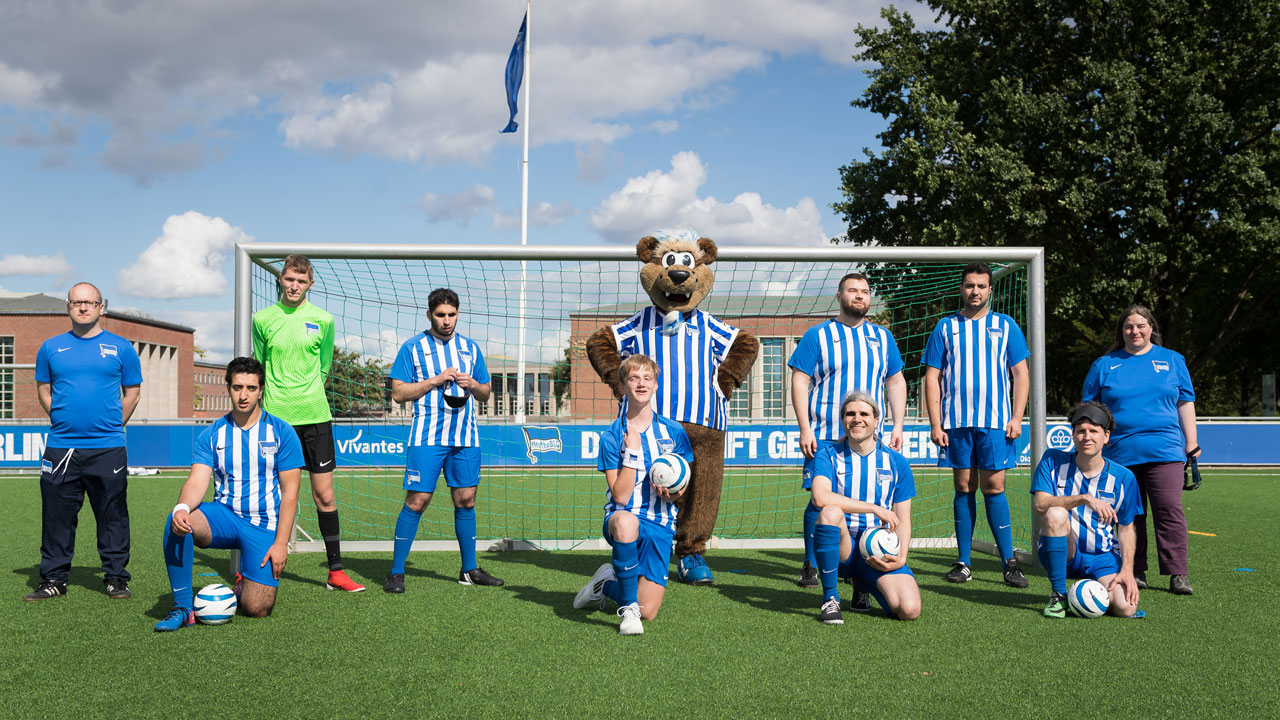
(531, 308)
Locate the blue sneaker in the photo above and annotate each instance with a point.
(177, 619)
(693, 569)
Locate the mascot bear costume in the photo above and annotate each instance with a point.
(701, 361)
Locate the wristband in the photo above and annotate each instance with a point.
(181, 506)
(633, 459)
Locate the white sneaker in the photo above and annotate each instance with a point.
(631, 624)
(593, 592)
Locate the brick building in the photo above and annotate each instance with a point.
(165, 350)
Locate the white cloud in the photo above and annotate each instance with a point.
(215, 331)
(384, 344)
(413, 81)
(11, 265)
(459, 207)
(670, 199)
(185, 261)
(544, 214)
(665, 127)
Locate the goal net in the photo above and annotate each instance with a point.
(531, 310)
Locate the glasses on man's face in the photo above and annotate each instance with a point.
(84, 303)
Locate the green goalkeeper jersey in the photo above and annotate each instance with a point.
(295, 345)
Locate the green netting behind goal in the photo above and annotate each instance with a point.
(529, 490)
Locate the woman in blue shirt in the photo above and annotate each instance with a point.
(1149, 391)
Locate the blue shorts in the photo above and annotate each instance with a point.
(1093, 565)
(653, 548)
(230, 531)
(423, 463)
(983, 448)
(867, 577)
(806, 475)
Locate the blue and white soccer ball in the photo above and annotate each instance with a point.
(671, 472)
(1089, 599)
(215, 604)
(879, 541)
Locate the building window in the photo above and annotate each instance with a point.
(6, 377)
(773, 367)
(544, 393)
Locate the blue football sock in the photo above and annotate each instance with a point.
(626, 566)
(965, 508)
(1001, 526)
(1053, 556)
(810, 521)
(613, 591)
(826, 548)
(464, 528)
(406, 531)
(179, 557)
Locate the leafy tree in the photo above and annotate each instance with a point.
(1135, 140)
(357, 385)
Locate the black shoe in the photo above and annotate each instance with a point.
(1013, 576)
(961, 573)
(1141, 581)
(48, 589)
(830, 613)
(860, 602)
(118, 589)
(394, 583)
(1180, 585)
(478, 577)
(808, 576)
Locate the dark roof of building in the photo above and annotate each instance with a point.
(40, 304)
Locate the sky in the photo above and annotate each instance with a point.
(140, 140)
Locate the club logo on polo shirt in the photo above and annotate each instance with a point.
(311, 328)
(106, 350)
(1159, 365)
(267, 448)
(884, 477)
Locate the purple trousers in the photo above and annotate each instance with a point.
(1161, 486)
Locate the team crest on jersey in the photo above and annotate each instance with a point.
(666, 445)
(107, 350)
(884, 477)
(1159, 365)
(874, 342)
(1107, 495)
(311, 328)
(995, 333)
(539, 439)
(267, 448)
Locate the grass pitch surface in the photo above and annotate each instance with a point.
(749, 646)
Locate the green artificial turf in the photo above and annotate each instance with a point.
(749, 646)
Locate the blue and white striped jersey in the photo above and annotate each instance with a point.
(1058, 475)
(247, 464)
(424, 356)
(688, 384)
(974, 357)
(883, 477)
(841, 359)
(662, 436)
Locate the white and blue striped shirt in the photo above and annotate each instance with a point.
(424, 356)
(1058, 475)
(841, 359)
(974, 357)
(661, 437)
(688, 384)
(247, 464)
(883, 477)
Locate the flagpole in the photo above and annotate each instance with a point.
(524, 222)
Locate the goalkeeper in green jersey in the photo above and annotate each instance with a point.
(294, 341)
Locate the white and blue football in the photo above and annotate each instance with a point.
(215, 604)
(671, 472)
(879, 541)
(1088, 599)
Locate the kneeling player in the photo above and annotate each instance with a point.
(257, 461)
(639, 517)
(1080, 496)
(860, 484)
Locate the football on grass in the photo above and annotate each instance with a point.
(215, 604)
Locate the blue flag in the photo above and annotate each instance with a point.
(515, 74)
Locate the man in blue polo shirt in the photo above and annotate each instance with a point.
(88, 381)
